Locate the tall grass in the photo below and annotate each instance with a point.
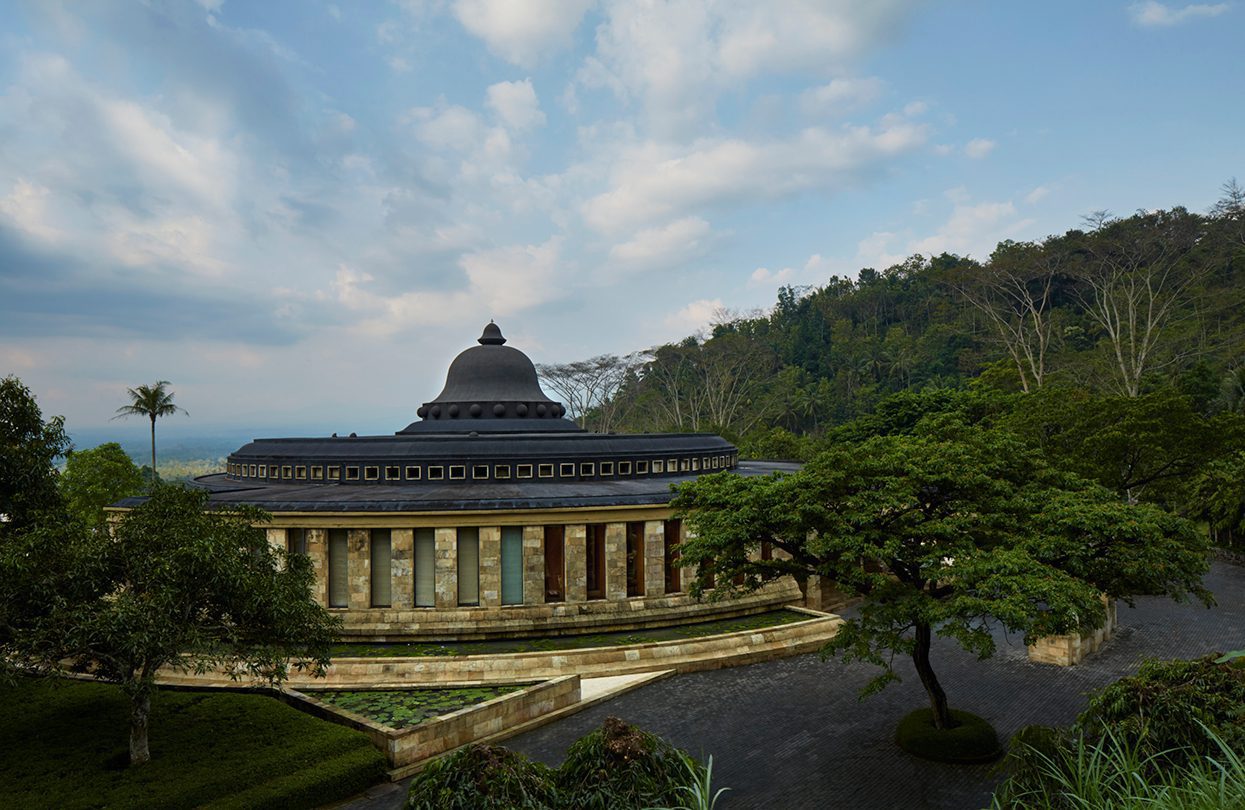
(1113, 774)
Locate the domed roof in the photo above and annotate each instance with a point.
(491, 387)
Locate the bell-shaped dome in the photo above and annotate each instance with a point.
(490, 388)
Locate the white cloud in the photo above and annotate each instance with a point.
(451, 127)
(764, 277)
(1037, 195)
(26, 206)
(652, 182)
(973, 230)
(978, 148)
(676, 58)
(842, 95)
(678, 241)
(522, 32)
(696, 316)
(515, 103)
(1153, 14)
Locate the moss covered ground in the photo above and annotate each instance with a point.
(403, 708)
(64, 744)
(759, 621)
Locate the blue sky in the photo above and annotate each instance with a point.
(299, 212)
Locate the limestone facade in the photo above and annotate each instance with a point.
(566, 613)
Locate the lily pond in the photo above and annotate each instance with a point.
(403, 708)
(758, 621)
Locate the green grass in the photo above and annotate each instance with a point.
(759, 621)
(64, 744)
(403, 708)
(972, 740)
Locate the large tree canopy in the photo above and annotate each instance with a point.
(29, 448)
(176, 584)
(945, 530)
(96, 478)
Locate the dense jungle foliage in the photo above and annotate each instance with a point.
(1117, 348)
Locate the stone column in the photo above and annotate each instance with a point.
(576, 563)
(654, 558)
(533, 565)
(490, 566)
(276, 540)
(403, 582)
(687, 573)
(318, 551)
(359, 568)
(615, 561)
(447, 568)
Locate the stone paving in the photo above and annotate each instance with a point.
(792, 733)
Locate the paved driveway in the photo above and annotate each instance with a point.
(792, 734)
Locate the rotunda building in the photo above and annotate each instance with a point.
(490, 515)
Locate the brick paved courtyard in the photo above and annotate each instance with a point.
(792, 734)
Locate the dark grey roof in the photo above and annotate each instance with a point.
(482, 496)
(491, 388)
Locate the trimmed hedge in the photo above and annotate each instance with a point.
(64, 744)
(972, 740)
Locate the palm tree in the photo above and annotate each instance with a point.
(152, 401)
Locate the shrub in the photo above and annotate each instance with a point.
(973, 739)
(621, 766)
(1167, 707)
(483, 777)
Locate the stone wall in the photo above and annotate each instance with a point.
(1068, 650)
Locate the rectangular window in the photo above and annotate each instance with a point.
(635, 559)
(641, 468)
(296, 541)
(695, 465)
(335, 473)
(588, 469)
(469, 566)
(717, 462)
(659, 466)
(300, 472)
(412, 473)
(595, 560)
(523, 471)
(352, 473)
(339, 554)
(479, 471)
(607, 468)
(317, 473)
(512, 565)
(382, 568)
(624, 468)
(502, 471)
(371, 473)
(545, 470)
(672, 530)
(251, 474)
(555, 563)
(425, 567)
(436, 473)
(393, 473)
(287, 472)
(684, 465)
(263, 471)
(567, 471)
(458, 472)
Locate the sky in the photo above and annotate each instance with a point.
(298, 212)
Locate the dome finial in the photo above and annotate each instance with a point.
(492, 335)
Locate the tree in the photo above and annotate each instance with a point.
(177, 584)
(152, 401)
(1014, 292)
(1137, 280)
(29, 448)
(946, 530)
(95, 478)
(590, 387)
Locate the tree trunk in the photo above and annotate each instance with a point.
(153, 452)
(140, 709)
(937, 697)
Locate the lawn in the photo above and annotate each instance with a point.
(758, 621)
(403, 708)
(64, 744)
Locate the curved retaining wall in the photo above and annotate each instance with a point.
(688, 655)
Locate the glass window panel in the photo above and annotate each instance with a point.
(512, 565)
(425, 568)
(382, 568)
(339, 591)
(469, 566)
